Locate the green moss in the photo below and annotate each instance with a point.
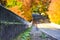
(24, 36)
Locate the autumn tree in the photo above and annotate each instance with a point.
(21, 8)
(26, 8)
(54, 11)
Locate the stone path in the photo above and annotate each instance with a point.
(50, 30)
(52, 33)
(36, 33)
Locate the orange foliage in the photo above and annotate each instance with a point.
(36, 1)
(18, 12)
(54, 11)
(26, 10)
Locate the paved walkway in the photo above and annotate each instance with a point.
(52, 32)
(36, 34)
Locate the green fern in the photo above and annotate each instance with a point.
(25, 35)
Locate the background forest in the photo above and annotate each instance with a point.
(24, 7)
